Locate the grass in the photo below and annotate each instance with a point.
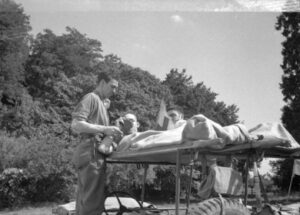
(43, 209)
(46, 208)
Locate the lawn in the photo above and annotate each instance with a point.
(46, 209)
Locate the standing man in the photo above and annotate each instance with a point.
(90, 118)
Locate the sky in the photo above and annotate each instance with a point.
(229, 45)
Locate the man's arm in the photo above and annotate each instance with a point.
(81, 126)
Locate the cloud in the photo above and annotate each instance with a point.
(226, 8)
(140, 46)
(158, 5)
(108, 5)
(270, 5)
(176, 18)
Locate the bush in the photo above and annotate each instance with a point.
(13, 184)
(47, 173)
(12, 151)
(53, 188)
(50, 167)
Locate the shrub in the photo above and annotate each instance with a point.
(166, 179)
(47, 173)
(13, 183)
(12, 151)
(49, 165)
(53, 188)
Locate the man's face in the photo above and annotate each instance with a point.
(174, 115)
(109, 89)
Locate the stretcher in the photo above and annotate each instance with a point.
(186, 153)
(168, 154)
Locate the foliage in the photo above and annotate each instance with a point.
(126, 177)
(165, 181)
(14, 45)
(196, 99)
(140, 93)
(13, 183)
(61, 69)
(45, 162)
(58, 71)
(288, 24)
(19, 187)
(12, 151)
(283, 169)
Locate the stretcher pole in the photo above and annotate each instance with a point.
(144, 182)
(177, 188)
(257, 187)
(290, 186)
(246, 179)
(189, 189)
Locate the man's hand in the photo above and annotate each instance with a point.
(112, 131)
(106, 103)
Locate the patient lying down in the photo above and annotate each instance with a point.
(200, 130)
(196, 128)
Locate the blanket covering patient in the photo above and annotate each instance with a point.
(200, 130)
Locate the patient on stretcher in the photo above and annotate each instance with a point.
(198, 127)
(203, 132)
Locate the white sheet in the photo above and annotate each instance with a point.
(200, 128)
(273, 134)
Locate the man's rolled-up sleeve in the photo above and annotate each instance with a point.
(83, 109)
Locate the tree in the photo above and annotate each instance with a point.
(196, 99)
(15, 102)
(14, 46)
(140, 93)
(61, 69)
(283, 172)
(289, 25)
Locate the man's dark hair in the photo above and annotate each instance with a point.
(104, 76)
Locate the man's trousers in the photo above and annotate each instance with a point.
(91, 186)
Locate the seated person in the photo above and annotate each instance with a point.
(176, 116)
(128, 124)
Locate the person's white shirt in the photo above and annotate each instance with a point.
(176, 119)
